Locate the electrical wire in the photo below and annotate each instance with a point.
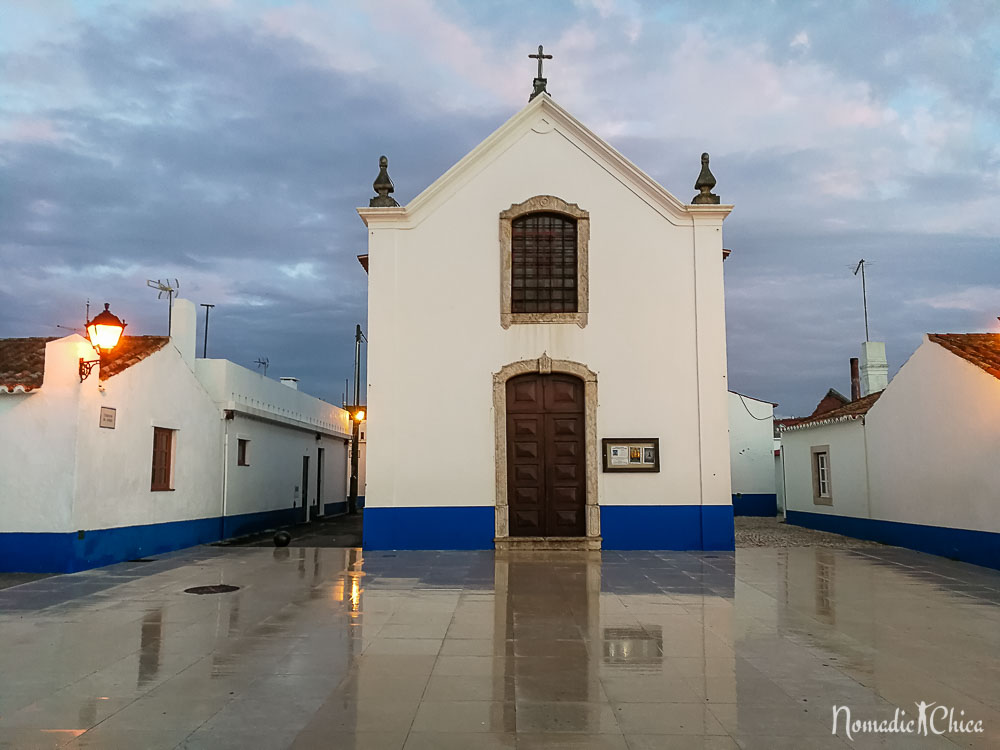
(759, 419)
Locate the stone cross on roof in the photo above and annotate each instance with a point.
(539, 82)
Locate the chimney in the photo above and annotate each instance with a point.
(855, 380)
(874, 367)
(292, 383)
(183, 328)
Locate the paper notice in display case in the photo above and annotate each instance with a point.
(631, 454)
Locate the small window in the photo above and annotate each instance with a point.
(544, 246)
(241, 452)
(822, 492)
(163, 450)
(823, 474)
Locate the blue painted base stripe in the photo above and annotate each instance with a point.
(674, 527)
(976, 547)
(41, 552)
(755, 504)
(469, 527)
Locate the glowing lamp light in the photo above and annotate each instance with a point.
(104, 332)
(360, 416)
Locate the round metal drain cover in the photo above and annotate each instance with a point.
(219, 588)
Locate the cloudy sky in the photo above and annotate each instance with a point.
(226, 144)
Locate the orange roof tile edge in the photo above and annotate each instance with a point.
(850, 410)
(22, 363)
(131, 350)
(981, 349)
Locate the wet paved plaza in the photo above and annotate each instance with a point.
(329, 648)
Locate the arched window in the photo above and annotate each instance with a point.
(543, 264)
(544, 248)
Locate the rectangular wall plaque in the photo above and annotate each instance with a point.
(631, 454)
(108, 417)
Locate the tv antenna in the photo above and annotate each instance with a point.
(164, 287)
(76, 329)
(864, 291)
(263, 362)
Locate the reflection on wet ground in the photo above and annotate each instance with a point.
(333, 648)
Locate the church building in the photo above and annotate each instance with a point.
(547, 356)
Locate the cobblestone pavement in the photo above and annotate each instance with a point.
(336, 531)
(756, 531)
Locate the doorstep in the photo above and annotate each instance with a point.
(547, 543)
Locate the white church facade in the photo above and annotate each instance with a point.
(547, 356)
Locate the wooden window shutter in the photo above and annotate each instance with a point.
(162, 449)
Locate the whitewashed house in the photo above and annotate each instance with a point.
(547, 357)
(914, 465)
(751, 455)
(154, 451)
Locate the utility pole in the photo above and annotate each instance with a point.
(352, 503)
(864, 292)
(204, 349)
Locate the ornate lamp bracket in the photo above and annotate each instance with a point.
(86, 366)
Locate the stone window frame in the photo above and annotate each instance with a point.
(814, 451)
(546, 204)
(545, 365)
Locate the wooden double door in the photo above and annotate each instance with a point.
(546, 456)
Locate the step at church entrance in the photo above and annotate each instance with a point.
(546, 449)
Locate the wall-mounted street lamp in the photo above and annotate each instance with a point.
(104, 332)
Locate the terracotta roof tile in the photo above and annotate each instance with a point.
(852, 409)
(22, 363)
(981, 349)
(130, 351)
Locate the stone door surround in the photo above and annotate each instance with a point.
(545, 365)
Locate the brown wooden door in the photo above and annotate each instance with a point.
(546, 468)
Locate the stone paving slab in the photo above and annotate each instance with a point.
(328, 647)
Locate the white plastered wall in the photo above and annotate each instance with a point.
(656, 322)
(282, 425)
(751, 445)
(38, 442)
(848, 477)
(934, 444)
(273, 477)
(114, 466)
(61, 471)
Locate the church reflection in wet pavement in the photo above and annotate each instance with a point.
(336, 648)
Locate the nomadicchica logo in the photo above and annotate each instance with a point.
(930, 719)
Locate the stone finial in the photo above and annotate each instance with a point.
(538, 87)
(705, 183)
(383, 186)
